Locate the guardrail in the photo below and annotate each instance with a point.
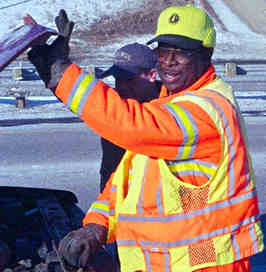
(229, 70)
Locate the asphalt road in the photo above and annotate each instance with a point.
(58, 156)
(67, 156)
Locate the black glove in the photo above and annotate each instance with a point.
(76, 248)
(55, 56)
(64, 26)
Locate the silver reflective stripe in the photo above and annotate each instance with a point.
(112, 212)
(171, 218)
(103, 210)
(254, 238)
(230, 140)
(196, 133)
(166, 260)
(139, 204)
(105, 202)
(236, 247)
(185, 241)
(180, 123)
(159, 198)
(147, 260)
(187, 137)
(247, 174)
(126, 243)
(98, 210)
(199, 162)
(231, 147)
(74, 89)
(247, 221)
(192, 173)
(113, 188)
(85, 95)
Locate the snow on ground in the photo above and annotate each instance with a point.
(238, 42)
(83, 12)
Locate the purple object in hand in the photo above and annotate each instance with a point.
(15, 42)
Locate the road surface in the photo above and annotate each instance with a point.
(67, 156)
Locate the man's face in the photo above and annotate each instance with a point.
(140, 87)
(177, 69)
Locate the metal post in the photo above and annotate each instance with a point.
(230, 69)
(17, 73)
(21, 102)
(20, 96)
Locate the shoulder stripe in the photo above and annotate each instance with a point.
(73, 91)
(85, 95)
(189, 128)
(80, 92)
(230, 144)
(101, 207)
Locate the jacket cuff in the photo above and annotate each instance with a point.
(67, 81)
(96, 218)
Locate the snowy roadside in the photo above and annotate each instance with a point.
(237, 42)
(235, 39)
(36, 108)
(253, 15)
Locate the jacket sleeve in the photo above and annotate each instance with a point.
(99, 210)
(102, 212)
(148, 128)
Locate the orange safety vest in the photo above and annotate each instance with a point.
(191, 208)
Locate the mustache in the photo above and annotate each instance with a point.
(169, 70)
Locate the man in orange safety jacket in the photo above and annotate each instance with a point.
(183, 197)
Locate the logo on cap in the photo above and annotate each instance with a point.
(174, 18)
(122, 57)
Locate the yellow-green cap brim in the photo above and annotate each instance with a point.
(178, 41)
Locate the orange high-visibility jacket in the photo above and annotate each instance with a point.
(183, 197)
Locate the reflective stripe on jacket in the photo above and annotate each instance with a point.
(183, 198)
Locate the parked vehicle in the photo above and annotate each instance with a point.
(33, 221)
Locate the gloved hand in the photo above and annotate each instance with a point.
(77, 247)
(52, 60)
(64, 26)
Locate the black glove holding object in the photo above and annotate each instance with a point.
(76, 248)
(52, 60)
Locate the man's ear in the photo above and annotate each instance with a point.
(152, 75)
